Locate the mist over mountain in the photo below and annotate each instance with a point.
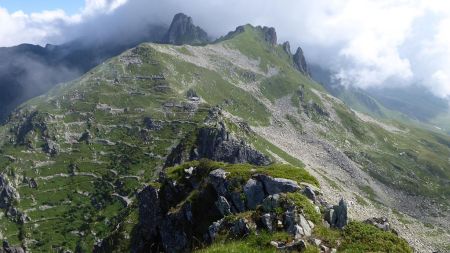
(347, 37)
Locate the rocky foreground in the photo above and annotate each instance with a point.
(203, 203)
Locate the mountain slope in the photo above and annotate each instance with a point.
(74, 158)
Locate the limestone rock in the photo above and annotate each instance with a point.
(271, 202)
(277, 185)
(223, 206)
(381, 223)
(337, 215)
(309, 192)
(254, 193)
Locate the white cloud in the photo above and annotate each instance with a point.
(367, 42)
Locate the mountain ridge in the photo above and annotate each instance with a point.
(108, 133)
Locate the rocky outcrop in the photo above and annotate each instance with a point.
(215, 142)
(200, 205)
(7, 193)
(300, 62)
(6, 248)
(287, 48)
(270, 35)
(381, 223)
(183, 31)
(336, 216)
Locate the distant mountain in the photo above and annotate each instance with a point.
(28, 70)
(407, 103)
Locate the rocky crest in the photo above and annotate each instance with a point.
(215, 142)
(204, 203)
(300, 62)
(183, 31)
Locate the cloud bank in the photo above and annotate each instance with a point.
(366, 43)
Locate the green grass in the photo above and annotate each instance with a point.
(306, 205)
(245, 171)
(360, 237)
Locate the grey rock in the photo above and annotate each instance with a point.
(173, 238)
(267, 221)
(183, 31)
(7, 193)
(287, 48)
(213, 230)
(341, 214)
(337, 215)
(218, 179)
(305, 225)
(254, 193)
(309, 192)
(150, 214)
(270, 35)
(223, 206)
(295, 246)
(6, 248)
(381, 223)
(238, 203)
(271, 202)
(240, 228)
(32, 183)
(300, 62)
(51, 147)
(277, 185)
(290, 219)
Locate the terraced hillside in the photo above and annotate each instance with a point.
(73, 160)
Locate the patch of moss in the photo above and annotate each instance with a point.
(361, 237)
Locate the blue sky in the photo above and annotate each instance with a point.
(29, 6)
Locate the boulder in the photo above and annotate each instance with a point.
(240, 228)
(267, 221)
(213, 230)
(341, 214)
(277, 185)
(309, 193)
(254, 193)
(305, 225)
(336, 216)
(271, 202)
(381, 223)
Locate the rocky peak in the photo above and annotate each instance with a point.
(270, 35)
(183, 31)
(300, 62)
(287, 48)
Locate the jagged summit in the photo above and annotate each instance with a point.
(183, 31)
(300, 62)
